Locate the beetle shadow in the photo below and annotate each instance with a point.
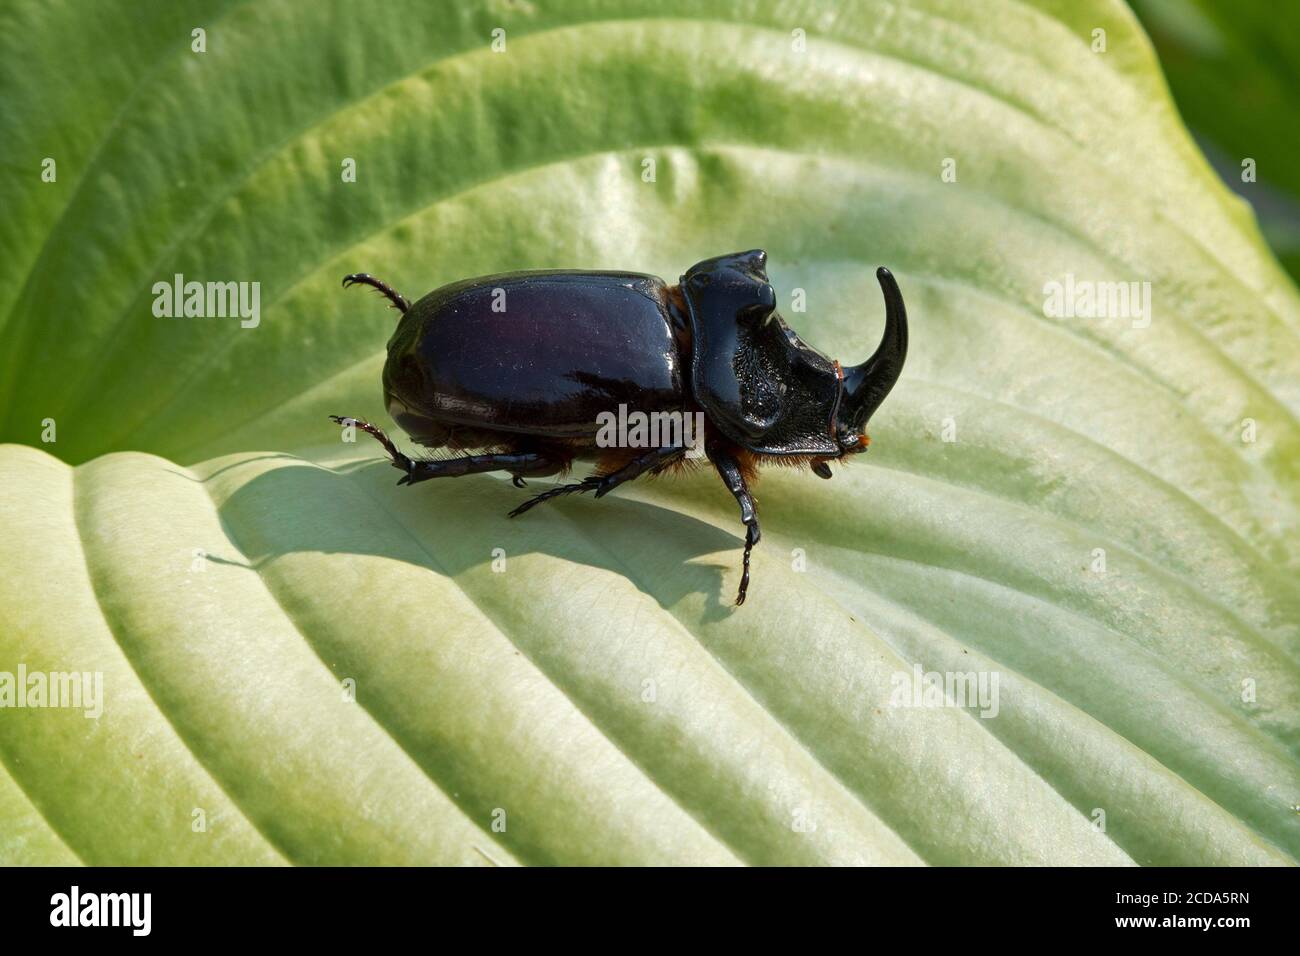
(449, 526)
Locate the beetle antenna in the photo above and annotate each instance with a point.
(388, 292)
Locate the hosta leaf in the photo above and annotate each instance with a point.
(1233, 69)
(1100, 512)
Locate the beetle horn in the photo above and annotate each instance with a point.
(866, 385)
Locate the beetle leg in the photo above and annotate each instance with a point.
(526, 463)
(604, 484)
(517, 464)
(655, 458)
(399, 460)
(577, 487)
(391, 294)
(729, 469)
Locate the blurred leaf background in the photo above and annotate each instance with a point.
(1234, 69)
(1101, 512)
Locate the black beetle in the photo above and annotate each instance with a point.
(521, 367)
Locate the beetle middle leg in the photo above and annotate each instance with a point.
(732, 476)
(517, 464)
(604, 484)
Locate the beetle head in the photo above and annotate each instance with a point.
(758, 382)
(761, 384)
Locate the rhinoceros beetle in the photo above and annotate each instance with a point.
(519, 368)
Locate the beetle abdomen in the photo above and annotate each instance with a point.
(536, 353)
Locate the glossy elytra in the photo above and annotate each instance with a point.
(519, 368)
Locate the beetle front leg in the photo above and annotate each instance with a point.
(729, 469)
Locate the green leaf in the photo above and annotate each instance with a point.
(1234, 70)
(196, 534)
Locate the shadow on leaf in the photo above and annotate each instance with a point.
(454, 528)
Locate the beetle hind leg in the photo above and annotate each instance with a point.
(517, 464)
(392, 295)
(398, 460)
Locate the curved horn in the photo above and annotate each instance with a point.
(866, 385)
